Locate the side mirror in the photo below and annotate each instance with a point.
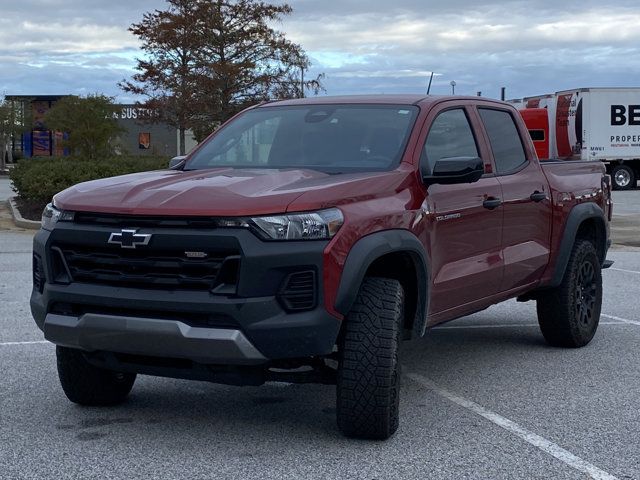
(448, 171)
(176, 162)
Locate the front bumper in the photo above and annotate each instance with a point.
(249, 327)
(150, 337)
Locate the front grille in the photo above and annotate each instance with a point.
(168, 270)
(299, 291)
(147, 221)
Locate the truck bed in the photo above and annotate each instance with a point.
(576, 176)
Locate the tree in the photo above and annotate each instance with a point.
(11, 124)
(168, 78)
(89, 123)
(208, 59)
(246, 61)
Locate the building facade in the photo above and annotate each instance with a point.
(142, 134)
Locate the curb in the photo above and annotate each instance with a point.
(18, 218)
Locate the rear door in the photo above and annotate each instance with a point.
(465, 234)
(526, 202)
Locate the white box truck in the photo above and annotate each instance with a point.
(588, 124)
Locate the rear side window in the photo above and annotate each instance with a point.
(450, 136)
(508, 151)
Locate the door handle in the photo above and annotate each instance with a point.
(492, 203)
(538, 196)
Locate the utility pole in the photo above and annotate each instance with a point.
(301, 82)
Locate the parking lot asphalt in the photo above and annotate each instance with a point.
(5, 188)
(626, 203)
(625, 227)
(482, 397)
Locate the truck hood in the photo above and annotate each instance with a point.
(218, 192)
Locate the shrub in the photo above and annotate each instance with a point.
(37, 180)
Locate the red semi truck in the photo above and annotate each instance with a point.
(588, 124)
(305, 239)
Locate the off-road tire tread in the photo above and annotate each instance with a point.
(557, 321)
(86, 384)
(369, 367)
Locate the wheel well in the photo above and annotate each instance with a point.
(400, 266)
(592, 230)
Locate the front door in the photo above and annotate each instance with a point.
(465, 234)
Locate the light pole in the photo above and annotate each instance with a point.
(453, 87)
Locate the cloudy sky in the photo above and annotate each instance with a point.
(363, 46)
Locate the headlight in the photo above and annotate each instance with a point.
(51, 215)
(321, 225)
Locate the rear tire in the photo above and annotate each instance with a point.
(368, 390)
(86, 384)
(569, 314)
(623, 177)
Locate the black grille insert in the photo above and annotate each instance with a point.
(38, 273)
(166, 270)
(299, 291)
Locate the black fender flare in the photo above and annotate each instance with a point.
(373, 246)
(578, 214)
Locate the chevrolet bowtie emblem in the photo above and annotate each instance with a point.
(129, 238)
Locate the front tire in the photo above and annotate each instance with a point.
(569, 314)
(368, 389)
(86, 384)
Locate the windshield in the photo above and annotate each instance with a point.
(329, 138)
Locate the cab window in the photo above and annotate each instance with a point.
(504, 137)
(450, 136)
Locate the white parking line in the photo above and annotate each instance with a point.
(534, 439)
(8, 344)
(623, 270)
(619, 319)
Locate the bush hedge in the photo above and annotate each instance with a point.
(37, 180)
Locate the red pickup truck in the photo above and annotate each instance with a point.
(305, 239)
